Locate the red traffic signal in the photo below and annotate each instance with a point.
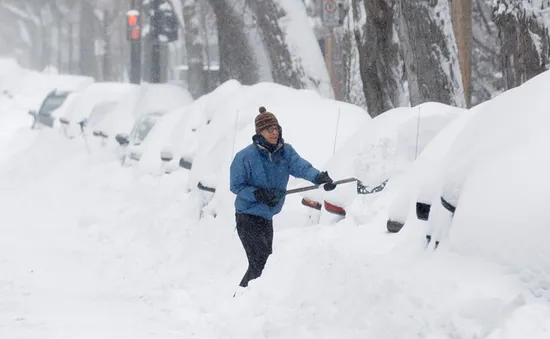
(132, 20)
(133, 27)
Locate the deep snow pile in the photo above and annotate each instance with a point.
(388, 146)
(140, 101)
(93, 249)
(29, 88)
(112, 253)
(495, 173)
(212, 129)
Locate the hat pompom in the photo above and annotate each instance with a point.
(262, 109)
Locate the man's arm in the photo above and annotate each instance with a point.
(300, 167)
(239, 177)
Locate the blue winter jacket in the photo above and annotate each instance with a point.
(256, 167)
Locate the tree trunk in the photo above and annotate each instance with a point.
(236, 59)
(290, 66)
(70, 55)
(45, 42)
(523, 40)
(352, 83)
(462, 27)
(209, 81)
(196, 77)
(487, 78)
(382, 63)
(87, 61)
(431, 56)
(107, 69)
(282, 68)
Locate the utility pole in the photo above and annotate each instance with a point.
(133, 24)
(329, 59)
(333, 13)
(155, 52)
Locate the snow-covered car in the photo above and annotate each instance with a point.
(379, 153)
(153, 153)
(103, 95)
(182, 143)
(139, 102)
(45, 115)
(494, 186)
(140, 131)
(228, 127)
(421, 184)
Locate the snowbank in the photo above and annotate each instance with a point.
(142, 100)
(89, 246)
(313, 125)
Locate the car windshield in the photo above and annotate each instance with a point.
(143, 127)
(100, 111)
(52, 103)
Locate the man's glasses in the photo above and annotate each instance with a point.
(272, 129)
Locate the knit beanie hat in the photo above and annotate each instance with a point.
(264, 120)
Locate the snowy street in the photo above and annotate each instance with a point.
(105, 234)
(94, 250)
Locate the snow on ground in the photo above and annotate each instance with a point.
(97, 250)
(91, 249)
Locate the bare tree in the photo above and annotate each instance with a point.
(236, 56)
(487, 78)
(462, 27)
(381, 61)
(352, 85)
(289, 65)
(194, 43)
(524, 40)
(87, 59)
(268, 14)
(430, 52)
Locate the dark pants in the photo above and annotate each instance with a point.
(256, 234)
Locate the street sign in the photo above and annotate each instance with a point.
(333, 12)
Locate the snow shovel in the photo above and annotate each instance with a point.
(290, 191)
(362, 189)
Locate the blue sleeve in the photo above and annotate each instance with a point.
(300, 167)
(239, 176)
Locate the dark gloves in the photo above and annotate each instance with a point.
(324, 178)
(270, 197)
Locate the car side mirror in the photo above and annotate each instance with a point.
(123, 139)
(100, 134)
(184, 163)
(64, 121)
(32, 112)
(422, 211)
(166, 156)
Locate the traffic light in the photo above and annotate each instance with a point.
(133, 34)
(133, 26)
